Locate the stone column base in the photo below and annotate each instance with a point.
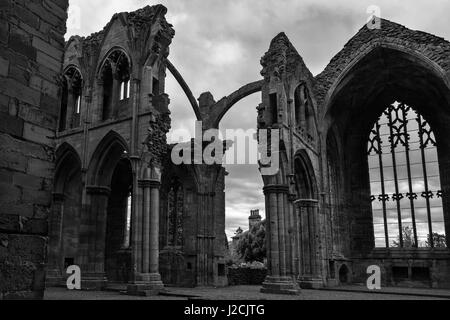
(94, 282)
(310, 282)
(280, 285)
(146, 285)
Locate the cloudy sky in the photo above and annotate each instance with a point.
(219, 43)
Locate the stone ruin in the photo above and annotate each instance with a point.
(86, 177)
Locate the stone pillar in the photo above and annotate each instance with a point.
(308, 226)
(277, 281)
(291, 239)
(55, 263)
(145, 245)
(154, 235)
(146, 192)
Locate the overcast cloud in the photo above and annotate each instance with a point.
(219, 43)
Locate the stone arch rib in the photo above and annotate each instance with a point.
(186, 89)
(105, 157)
(237, 96)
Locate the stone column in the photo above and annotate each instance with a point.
(277, 281)
(55, 263)
(308, 220)
(146, 192)
(146, 280)
(155, 277)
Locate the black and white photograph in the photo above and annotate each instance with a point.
(219, 155)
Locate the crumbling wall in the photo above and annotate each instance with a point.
(31, 54)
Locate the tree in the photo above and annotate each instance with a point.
(252, 245)
(408, 238)
(439, 240)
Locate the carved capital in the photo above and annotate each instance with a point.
(149, 184)
(307, 203)
(98, 190)
(276, 188)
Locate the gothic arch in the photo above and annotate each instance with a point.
(311, 123)
(393, 37)
(224, 105)
(105, 58)
(105, 158)
(67, 163)
(377, 76)
(179, 78)
(306, 184)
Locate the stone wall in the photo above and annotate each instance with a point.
(246, 276)
(31, 53)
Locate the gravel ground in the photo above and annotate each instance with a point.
(228, 293)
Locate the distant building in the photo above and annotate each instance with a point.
(254, 219)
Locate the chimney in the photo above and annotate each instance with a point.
(254, 218)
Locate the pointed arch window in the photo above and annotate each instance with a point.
(405, 182)
(115, 76)
(71, 101)
(304, 112)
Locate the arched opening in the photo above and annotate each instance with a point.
(118, 224)
(243, 183)
(304, 112)
(378, 219)
(308, 222)
(405, 182)
(71, 99)
(304, 176)
(110, 179)
(344, 274)
(65, 221)
(338, 224)
(115, 84)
